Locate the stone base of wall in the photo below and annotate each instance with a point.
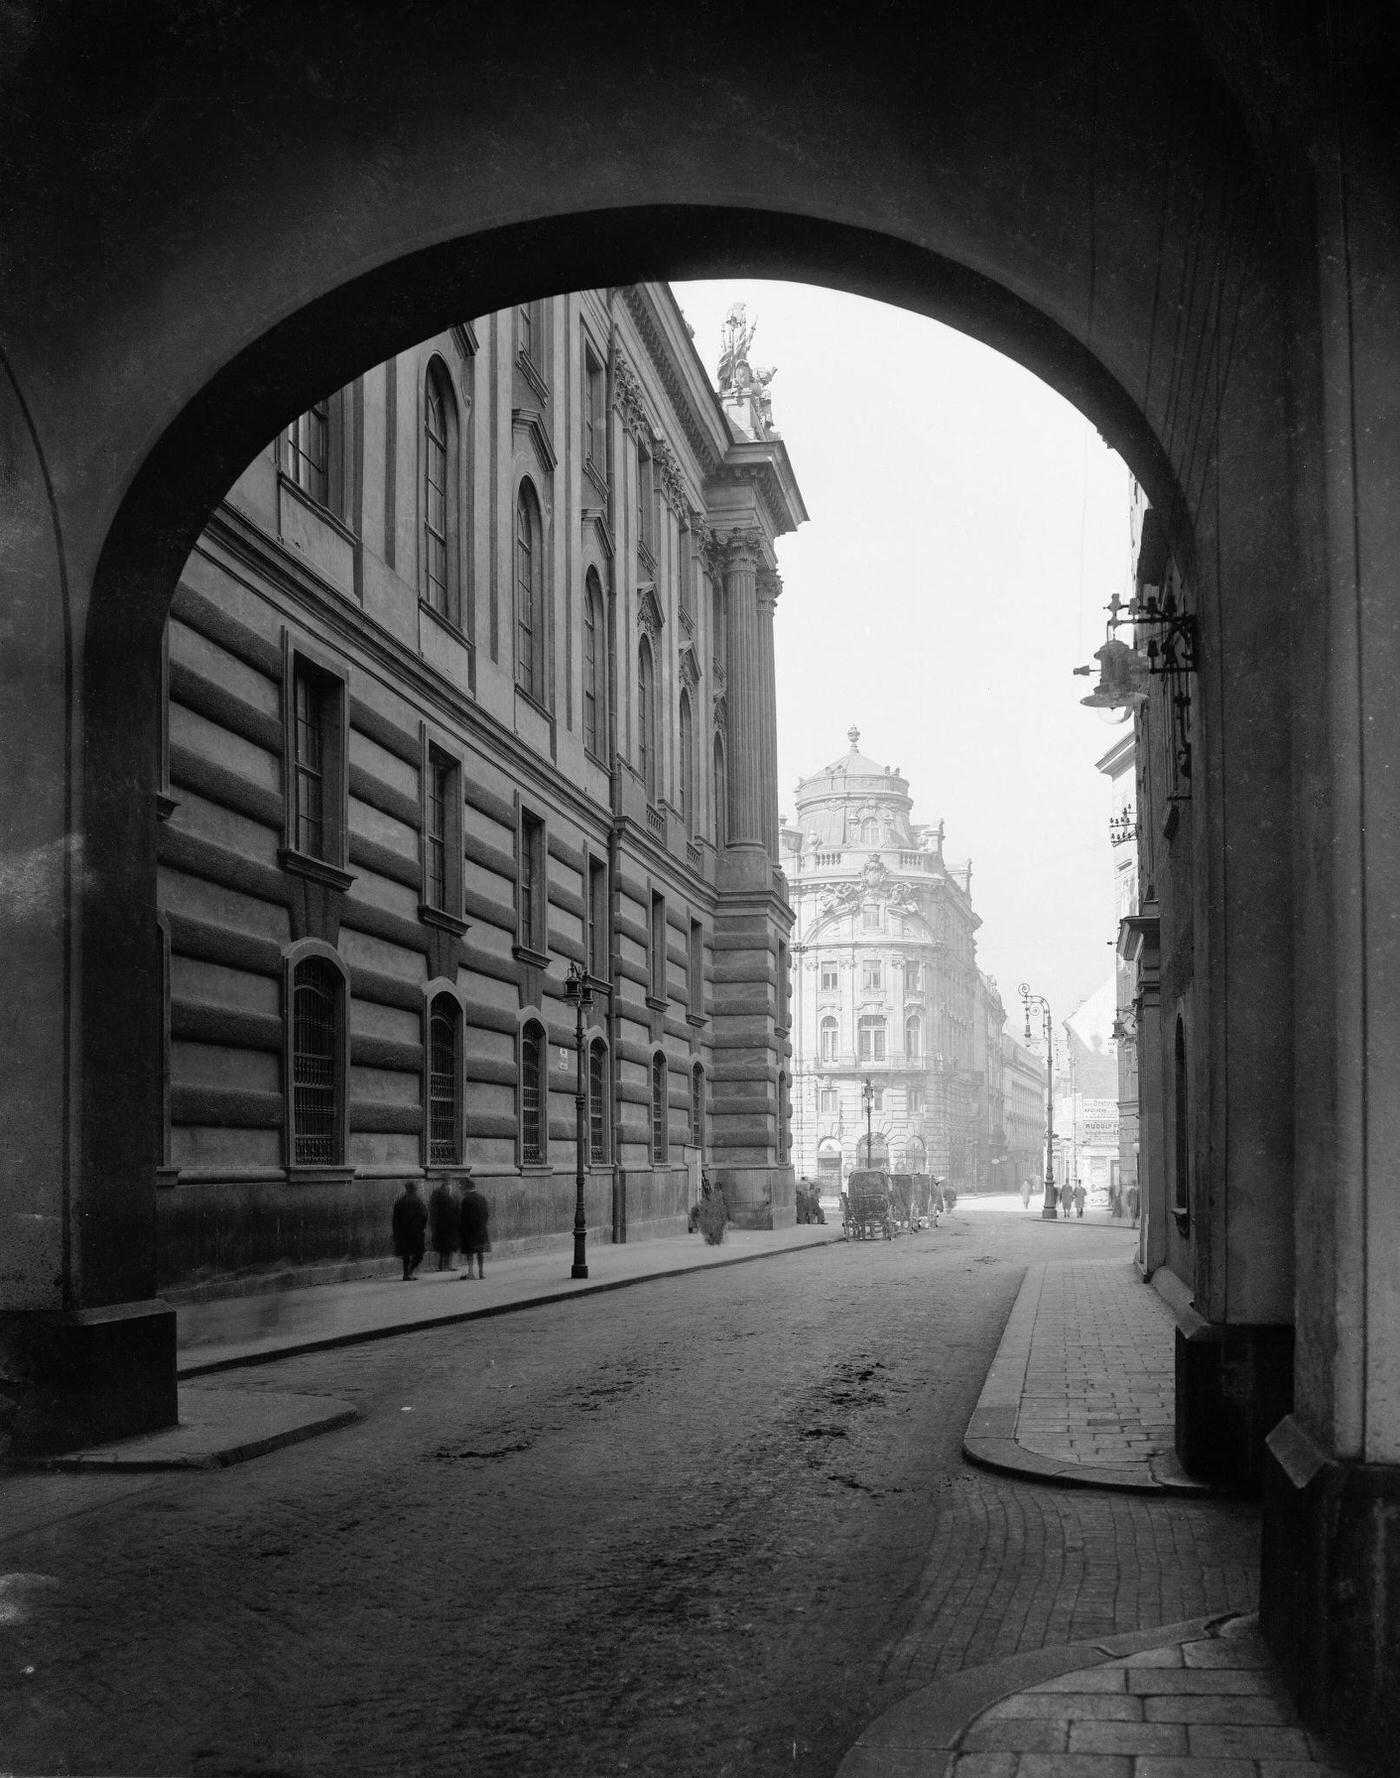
(1330, 1587)
(78, 1377)
(762, 1197)
(1233, 1386)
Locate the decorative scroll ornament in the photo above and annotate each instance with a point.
(668, 475)
(690, 667)
(770, 587)
(650, 616)
(629, 401)
(721, 713)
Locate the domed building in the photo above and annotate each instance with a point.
(884, 983)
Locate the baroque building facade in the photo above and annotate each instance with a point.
(469, 680)
(885, 986)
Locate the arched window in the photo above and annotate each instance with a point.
(721, 790)
(597, 1101)
(595, 679)
(870, 832)
(534, 1122)
(444, 1077)
(872, 1039)
(318, 1037)
(646, 717)
(697, 1106)
(687, 765)
(529, 596)
(829, 1035)
(913, 1035)
(441, 471)
(660, 1126)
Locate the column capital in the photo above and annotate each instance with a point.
(742, 549)
(770, 586)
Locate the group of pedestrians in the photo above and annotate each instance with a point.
(452, 1224)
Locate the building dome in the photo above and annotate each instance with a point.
(855, 801)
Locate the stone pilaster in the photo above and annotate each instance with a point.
(743, 556)
(769, 586)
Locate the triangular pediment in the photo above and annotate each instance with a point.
(649, 613)
(690, 667)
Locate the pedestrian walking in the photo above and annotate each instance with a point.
(443, 1223)
(1078, 1194)
(410, 1228)
(1115, 1202)
(1025, 1194)
(474, 1215)
(1134, 1201)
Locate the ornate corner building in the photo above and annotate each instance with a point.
(886, 988)
(468, 679)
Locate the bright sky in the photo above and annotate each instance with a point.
(967, 528)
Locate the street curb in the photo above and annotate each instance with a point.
(211, 1442)
(919, 1736)
(567, 1291)
(990, 1440)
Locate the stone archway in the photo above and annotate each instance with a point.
(1158, 211)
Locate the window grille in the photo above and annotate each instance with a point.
(646, 719)
(598, 1101)
(660, 1133)
(687, 764)
(527, 642)
(316, 991)
(592, 701)
(532, 1127)
(697, 1107)
(443, 1026)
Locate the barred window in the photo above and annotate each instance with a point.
(440, 773)
(439, 490)
(594, 663)
(533, 1128)
(660, 1130)
(697, 1107)
(444, 1047)
(646, 718)
(687, 766)
(310, 764)
(598, 1101)
(317, 987)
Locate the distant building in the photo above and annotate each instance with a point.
(1023, 1077)
(886, 985)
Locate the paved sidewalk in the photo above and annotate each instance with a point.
(1188, 1701)
(245, 1330)
(1082, 1388)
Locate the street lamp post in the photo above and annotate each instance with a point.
(580, 996)
(1049, 1212)
(868, 1099)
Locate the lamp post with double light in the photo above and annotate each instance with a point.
(1048, 1212)
(579, 995)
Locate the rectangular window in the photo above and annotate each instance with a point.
(830, 1101)
(531, 885)
(784, 1020)
(872, 1040)
(871, 976)
(912, 981)
(697, 1107)
(830, 977)
(916, 1098)
(598, 1102)
(598, 919)
(646, 499)
(442, 833)
(695, 969)
(306, 454)
(593, 412)
(658, 947)
(870, 917)
(318, 764)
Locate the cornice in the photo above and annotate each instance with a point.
(677, 390)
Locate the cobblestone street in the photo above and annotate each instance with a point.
(709, 1525)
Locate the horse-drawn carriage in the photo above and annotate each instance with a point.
(865, 1206)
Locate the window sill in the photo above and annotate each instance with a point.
(301, 864)
(450, 624)
(533, 702)
(695, 1018)
(656, 1003)
(319, 507)
(535, 1169)
(597, 477)
(1182, 1218)
(523, 954)
(597, 758)
(431, 916)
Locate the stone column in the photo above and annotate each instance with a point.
(769, 586)
(743, 557)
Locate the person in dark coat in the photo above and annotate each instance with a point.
(474, 1219)
(443, 1222)
(410, 1228)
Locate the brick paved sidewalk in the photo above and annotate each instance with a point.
(1204, 1703)
(1082, 1387)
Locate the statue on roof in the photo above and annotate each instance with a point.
(735, 377)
